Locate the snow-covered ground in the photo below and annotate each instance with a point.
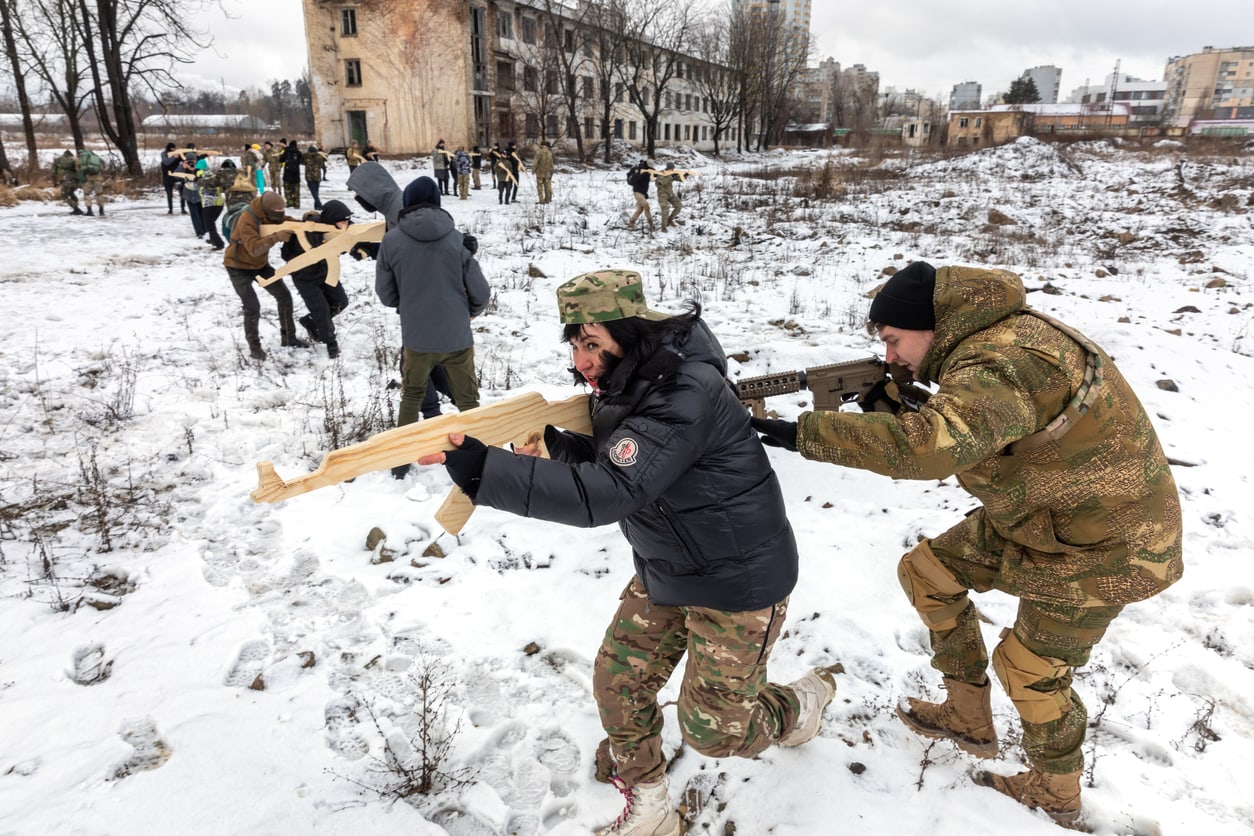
(175, 658)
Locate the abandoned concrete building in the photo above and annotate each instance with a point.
(407, 73)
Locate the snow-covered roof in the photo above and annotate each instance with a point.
(204, 120)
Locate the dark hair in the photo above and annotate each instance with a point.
(639, 338)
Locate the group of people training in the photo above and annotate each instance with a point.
(1078, 511)
(504, 165)
(1079, 516)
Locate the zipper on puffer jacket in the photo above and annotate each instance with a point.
(693, 554)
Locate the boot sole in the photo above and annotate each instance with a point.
(977, 748)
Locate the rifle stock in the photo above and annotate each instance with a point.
(832, 385)
(520, 419)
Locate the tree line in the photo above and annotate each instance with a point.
(106, 63)
(749, 64)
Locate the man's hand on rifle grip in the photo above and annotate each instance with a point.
(882, 397)
(777, 433)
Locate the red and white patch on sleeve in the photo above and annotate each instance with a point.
(624, 452)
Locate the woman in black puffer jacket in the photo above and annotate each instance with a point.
(674, 461)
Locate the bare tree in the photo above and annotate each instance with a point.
(133, 45)
(8, 13)
(52, 40)
(604, 40)
(780, 52)
(655, 38)
(572, 50)
(541, 95)
(721, 87)
(854, 95)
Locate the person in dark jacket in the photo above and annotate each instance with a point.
(427, 273)
(376, 191)
(324, 301)
(292, 159)
(639, 177)
(170, 163)
(674, 461)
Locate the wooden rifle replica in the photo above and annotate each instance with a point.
(509, 172)
(832, 385)
(338, 241)
(520, 419)
(680, 173)
(197, 151)
(522, 165)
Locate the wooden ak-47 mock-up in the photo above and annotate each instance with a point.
(338, 241)
(520, 419)
(682, 174)
(197, 151)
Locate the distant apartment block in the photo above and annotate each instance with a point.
(965, 96)
(1048, 80)
(1144, 98)
(1207, 85)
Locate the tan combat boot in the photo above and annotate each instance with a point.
(649, 811)
(1056, 795)
(965, 717)
(814, 691)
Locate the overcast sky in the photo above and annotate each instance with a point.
(927, 45)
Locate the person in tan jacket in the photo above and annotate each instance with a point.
(247, 257)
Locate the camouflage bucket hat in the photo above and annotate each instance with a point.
(603, 296)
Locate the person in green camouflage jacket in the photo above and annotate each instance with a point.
(315, 162)
(1079, 512)
(65, 174)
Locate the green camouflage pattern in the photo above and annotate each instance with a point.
(1088, 519)
(603, 296)
(274, 165)
(315, 166)
(1063, 632)
(726, 705)
(668, 202)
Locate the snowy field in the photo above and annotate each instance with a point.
(177, 659)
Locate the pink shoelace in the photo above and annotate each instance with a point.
(628, 796)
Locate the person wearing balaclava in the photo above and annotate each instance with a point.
(247, 257)
(1079, 514)
(425, 271)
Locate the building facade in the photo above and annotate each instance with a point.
(406, 74)
(1208, 85)
(1048, 80)
(965, 96)
(1144, 98)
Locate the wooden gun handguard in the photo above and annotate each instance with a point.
(518, 419)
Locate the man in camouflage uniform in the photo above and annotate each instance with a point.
(1079, 511)
(315, 163)
(273, 160)
(65, 174)
(542, 167)
(668, 202)
(91, 169)
(672, 460)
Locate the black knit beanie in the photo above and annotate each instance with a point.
(905, 301)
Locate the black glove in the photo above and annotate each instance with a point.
(465, 465)
(777, 433)
(364, 250)
(881, 398)
(470, 242)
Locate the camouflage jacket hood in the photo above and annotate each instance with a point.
(967, 301)
(1089, 518)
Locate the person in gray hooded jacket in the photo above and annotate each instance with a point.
(376, 191)
(425, 271)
